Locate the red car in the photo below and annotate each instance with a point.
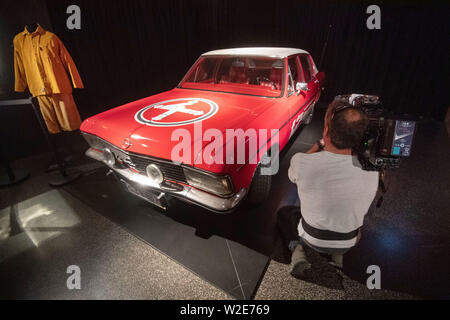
(209, 140)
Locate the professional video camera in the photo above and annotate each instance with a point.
(387, 138)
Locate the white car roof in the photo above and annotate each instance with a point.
(272, 52)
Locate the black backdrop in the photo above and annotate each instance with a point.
(131, 49)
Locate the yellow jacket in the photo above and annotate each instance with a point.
(42, 62)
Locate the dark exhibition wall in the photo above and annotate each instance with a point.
(126, 50)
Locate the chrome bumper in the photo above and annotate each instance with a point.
(185, 193)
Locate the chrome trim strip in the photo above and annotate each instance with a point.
(187, 193)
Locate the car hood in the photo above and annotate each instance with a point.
(234, 111)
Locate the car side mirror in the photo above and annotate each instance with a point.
(301, 86)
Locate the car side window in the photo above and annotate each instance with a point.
(294, 75)
(307, 70)
(313, 65)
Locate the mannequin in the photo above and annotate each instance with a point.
(49, 81)
(59, 139)
(31, 27)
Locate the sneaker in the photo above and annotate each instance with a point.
(299, 263)
(337, 261)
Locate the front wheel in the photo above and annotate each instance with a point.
(260, 187)
(309, 116)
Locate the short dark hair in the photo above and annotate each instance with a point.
(347, 126)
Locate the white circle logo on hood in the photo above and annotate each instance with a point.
(176, 112)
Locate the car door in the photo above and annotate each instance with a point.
(312, 76)
(308, 76)
(298, 99)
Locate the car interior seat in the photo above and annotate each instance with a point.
(236, 74)
(276, 74)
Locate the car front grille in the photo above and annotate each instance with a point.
(170, 170)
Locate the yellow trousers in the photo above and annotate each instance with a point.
(60, 112)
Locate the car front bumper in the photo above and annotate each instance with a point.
(183, 192)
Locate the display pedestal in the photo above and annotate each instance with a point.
(10, 177)
(13, 177)
(62, 176)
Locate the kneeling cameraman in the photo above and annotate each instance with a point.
(335, 192)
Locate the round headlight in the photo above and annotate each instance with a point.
(109, 158)
(154, 174)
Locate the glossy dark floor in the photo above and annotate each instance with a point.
(407, 237)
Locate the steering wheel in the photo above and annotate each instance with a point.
(265, 79)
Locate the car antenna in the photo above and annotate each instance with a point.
(324, 48)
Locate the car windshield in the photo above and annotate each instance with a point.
(257, 76)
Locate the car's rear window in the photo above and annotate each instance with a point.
(237, 74)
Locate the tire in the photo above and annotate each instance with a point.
(309, 116)
(259, 188)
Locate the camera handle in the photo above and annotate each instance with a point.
(381, 187)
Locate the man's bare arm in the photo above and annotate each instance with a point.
(316, 147)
